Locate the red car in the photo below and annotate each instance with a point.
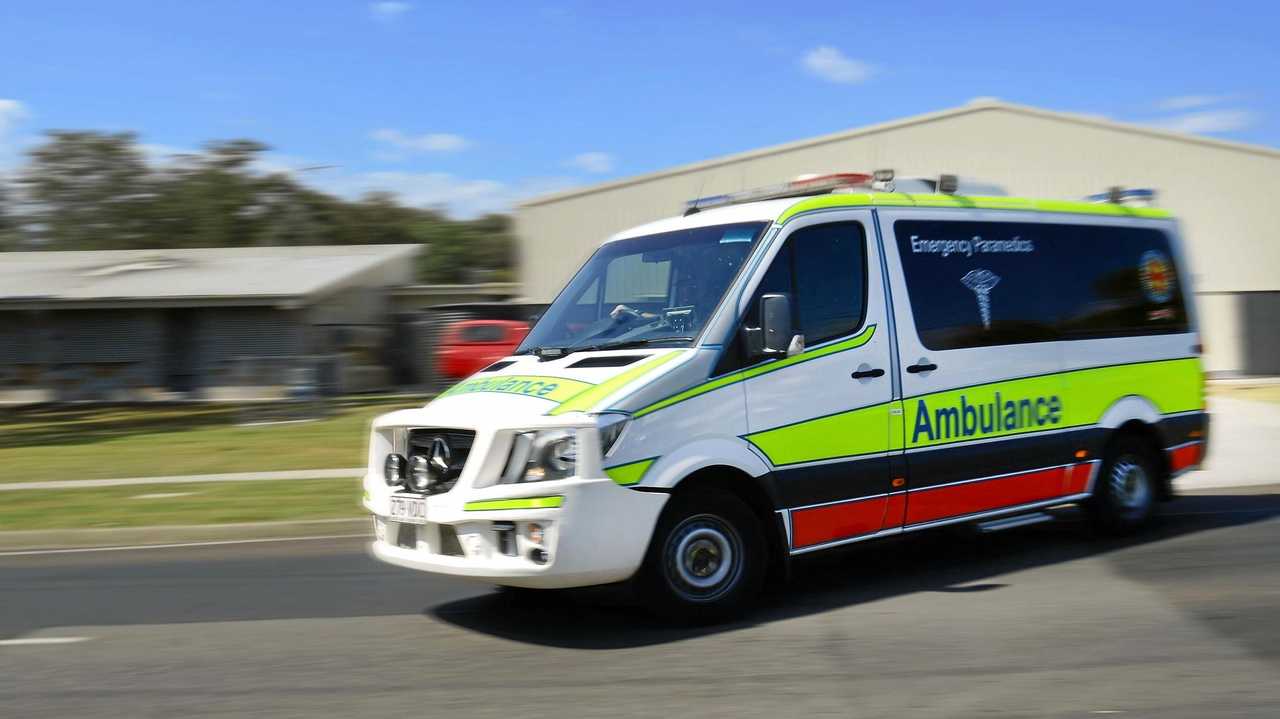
(471, 345)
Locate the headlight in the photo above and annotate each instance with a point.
(610, 426)
(393, 470)
(543, 455)
(420, 472)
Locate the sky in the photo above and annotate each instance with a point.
(473, 106)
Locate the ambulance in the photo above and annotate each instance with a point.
(783, 371)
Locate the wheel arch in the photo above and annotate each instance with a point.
(759, 497)
(1149, 435)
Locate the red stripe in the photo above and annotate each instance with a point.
(1185, 456)
(1076, 478)
(959, 499)
(895, 510)
(836, 521)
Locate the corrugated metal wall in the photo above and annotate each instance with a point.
(226, 334)
(1222, 195)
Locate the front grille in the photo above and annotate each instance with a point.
(459, 441)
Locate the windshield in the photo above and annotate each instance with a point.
(656, 289)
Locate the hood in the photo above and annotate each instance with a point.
(528, 387)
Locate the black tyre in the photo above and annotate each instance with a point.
(706, 560)
(1126, 489)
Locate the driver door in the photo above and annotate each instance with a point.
(822, 417)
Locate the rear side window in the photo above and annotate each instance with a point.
(483, 333)
(977, 284)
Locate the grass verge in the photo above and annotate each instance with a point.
(1253, 392)
(170, 504)
(59, 443)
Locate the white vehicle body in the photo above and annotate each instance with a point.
(847, 438)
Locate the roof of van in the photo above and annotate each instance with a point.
(781, 211)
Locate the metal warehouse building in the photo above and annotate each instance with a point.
(1223, 193)
(142, 324)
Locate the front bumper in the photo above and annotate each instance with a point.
(598, 534)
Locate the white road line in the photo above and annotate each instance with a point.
(37, 641)
(32, 552)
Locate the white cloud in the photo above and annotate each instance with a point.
(405, 143)
(832, 65)
(1224, 120)
(1190, 102)
(11, 113)
(596, 163)
(388, 10)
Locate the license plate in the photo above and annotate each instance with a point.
(408, 510)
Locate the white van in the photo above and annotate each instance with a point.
(714, 394)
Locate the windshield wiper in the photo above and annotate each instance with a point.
(551, 353)
(627, 344)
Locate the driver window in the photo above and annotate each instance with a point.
(824, 269)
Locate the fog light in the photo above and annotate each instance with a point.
(536, 534)
(538, 556)
(393, 470)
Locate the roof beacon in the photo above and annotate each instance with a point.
(882, 180)
(799, 187)
(1122, 196)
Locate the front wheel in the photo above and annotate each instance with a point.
(1125, 491)
(706, 559)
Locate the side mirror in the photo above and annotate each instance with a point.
(775, 323)
(775, 335)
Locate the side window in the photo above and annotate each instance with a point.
(829, 280)
(978, 284)
(1126, 284)
(483, 333)
(824, 269)
(975, 284)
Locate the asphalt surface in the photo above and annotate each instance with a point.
(1045, 621)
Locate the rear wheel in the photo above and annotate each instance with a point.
(1124, 493)
(706, 559)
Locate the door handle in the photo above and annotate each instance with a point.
(865, 373)
(925, 367)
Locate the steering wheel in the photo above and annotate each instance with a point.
(623, 313)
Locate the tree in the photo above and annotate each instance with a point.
(9, 239)
(95, 190)
(91, 190)
(463, 252)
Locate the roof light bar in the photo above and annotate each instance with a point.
(799, 187)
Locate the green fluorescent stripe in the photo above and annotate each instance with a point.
(1172, 385)
(898, 199)
(592, 396)
(554, 389)
(631, 473)
(1085, 394)
(846, 434)
(853, 342)
(524, 503)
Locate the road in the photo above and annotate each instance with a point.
(1046, 621)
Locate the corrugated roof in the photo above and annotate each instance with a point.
(984, 105)
(225, 273)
